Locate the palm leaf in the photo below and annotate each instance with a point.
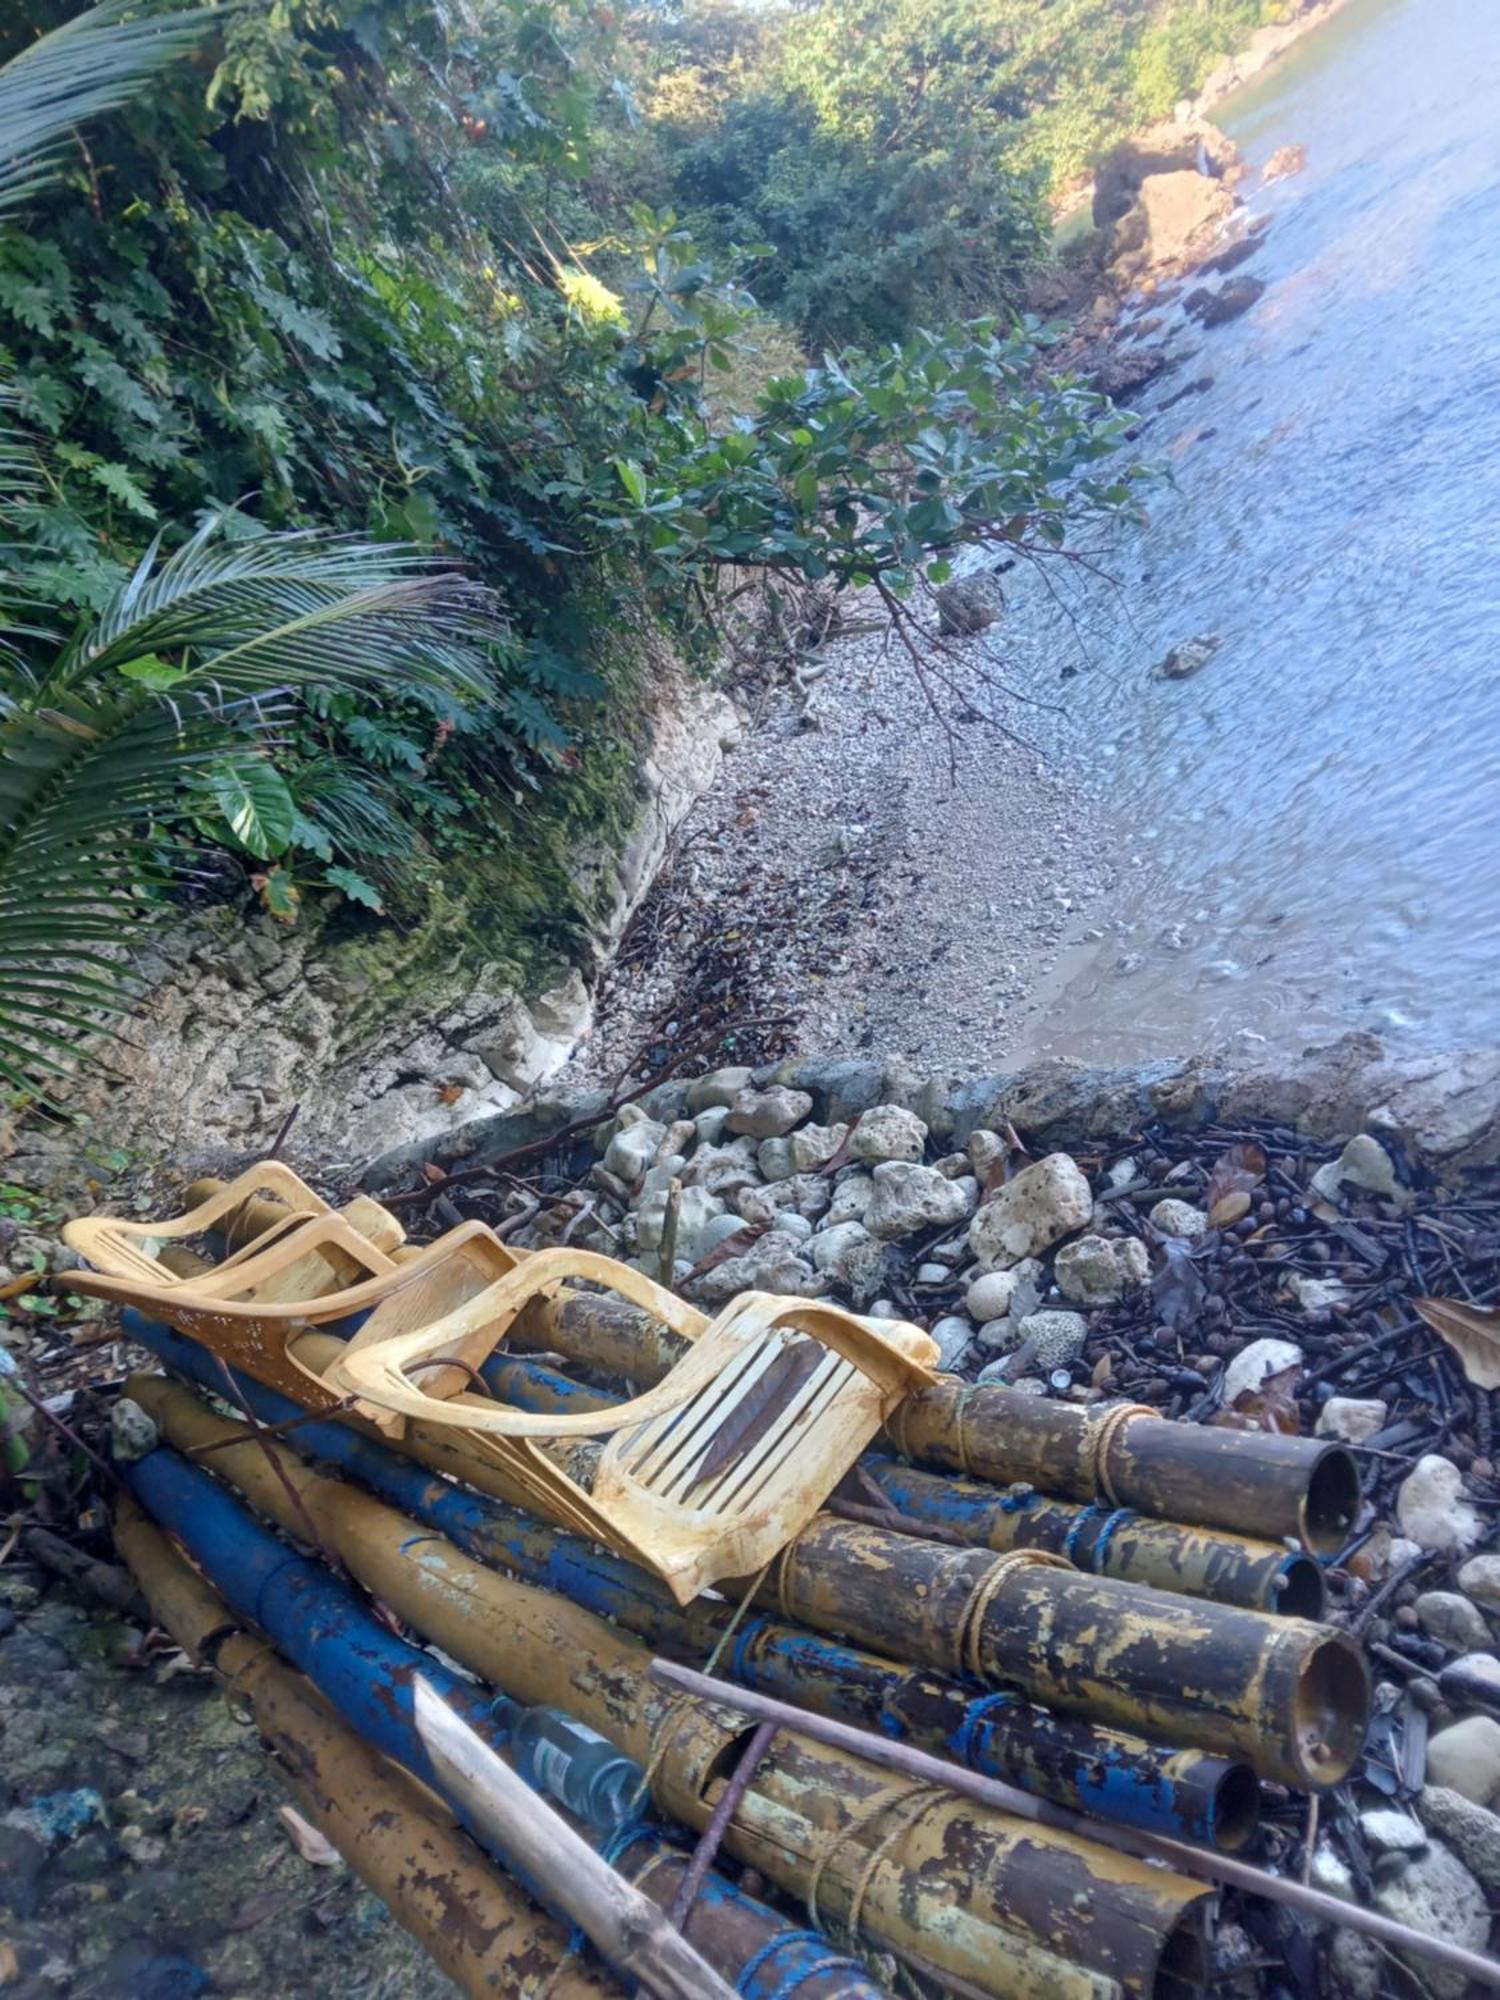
(90, 65)
(93, 763)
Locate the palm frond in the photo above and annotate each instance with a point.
(297, 610)
(89, 65)
(94, 762)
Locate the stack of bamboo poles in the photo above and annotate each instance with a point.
(1085, 1646)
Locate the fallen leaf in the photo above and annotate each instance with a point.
(305, 1837)
(732, 1246)
(1473, 1332)
(1229, 1209)
(1177, 1289)
(450, 1093)
(432, 1173)
(1271, 1407)
(1240, 1169)
(257, 1908)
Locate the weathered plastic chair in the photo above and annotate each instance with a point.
(150, 1251)
(705, 1476)
(253, 1308)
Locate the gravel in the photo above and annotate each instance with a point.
(846, 876)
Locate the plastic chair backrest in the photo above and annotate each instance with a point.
(132, 1249)
(708, 1474)
(238, 1316)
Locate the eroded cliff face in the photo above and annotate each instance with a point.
(374, 1035)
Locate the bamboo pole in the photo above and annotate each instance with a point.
(1015, 1908)
(990, 1791)
(478, 1926)
(631, 1933)
(1289, 1696)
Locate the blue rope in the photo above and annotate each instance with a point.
(1101, 1547)
(1086, 1515)
(749, 1631)
(793, 1979)
(974, 1714)
(799, 1975)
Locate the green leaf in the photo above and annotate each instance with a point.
(280, 895)
(153, 672)
(118, 483)
(355, 887)
(632, 479)
(257, 805)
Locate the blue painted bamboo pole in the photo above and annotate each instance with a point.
(1186, 1794)
(324, 1628)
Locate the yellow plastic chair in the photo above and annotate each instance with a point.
(251, 1309)
(707, 1475)
(141, 1250)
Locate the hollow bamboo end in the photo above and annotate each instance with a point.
(1301, 1590)
(1183, 1968)
(1330, 1505)
(1330, 1711)
(1235, 1810)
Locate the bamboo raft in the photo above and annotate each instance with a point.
(1088, 1648)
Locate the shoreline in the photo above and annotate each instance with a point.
(844, 872)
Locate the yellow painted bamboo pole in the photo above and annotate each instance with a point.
(478, 1925)
(1017, 1910)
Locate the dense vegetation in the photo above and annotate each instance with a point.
(413, 275)
(896, 158)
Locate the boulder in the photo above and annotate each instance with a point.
(769, 1113)
(1480, 1579)
(1178, 213)
(1058, 1338)
(806, 1193)
(909, 1197)
(1215, 308)
(1096, 1271)
(1283, 163)
(1472, 1831)
(1178, 1218)
(968, 604)
(830, 1243)
(633, 1148)
(132, 1433)
(1389, 1831)
(851, 1197)
(1431, 1507)
(723, 1170)
(989, 1295)
(697, 1208)
(888, 1132)
(1045, 1202)
(1173, 146)
(1436, 1894)
(771, 1265)
(800, 1152)
(1449, 1617)
(1189, 656)
(719, 1088)
(1351, 1419)
(1466, 1758)
(953, 1334)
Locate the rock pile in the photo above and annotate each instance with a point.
(1234, 1274)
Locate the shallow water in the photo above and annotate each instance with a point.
(1309, 824)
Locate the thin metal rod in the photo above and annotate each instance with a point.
(713, 1833)
(628, 1928)
(994, 1792)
